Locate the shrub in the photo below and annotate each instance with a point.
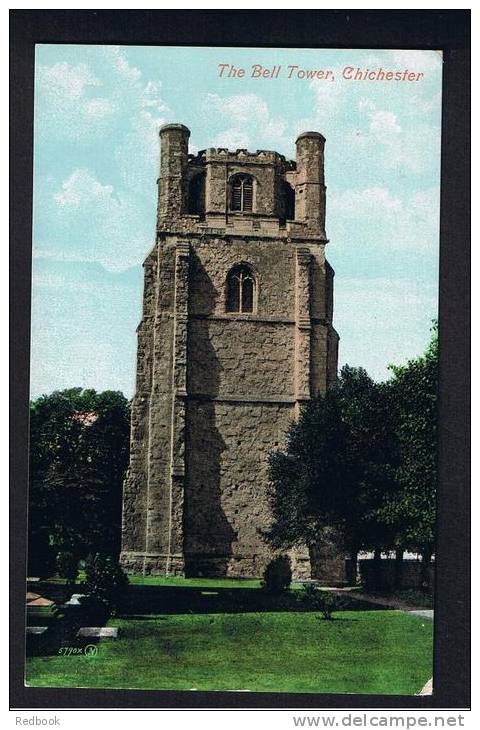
(67, 566)
(324, 601)
(96, 609)
(277, 575)
(105, 584)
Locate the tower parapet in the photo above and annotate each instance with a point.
(197, 190)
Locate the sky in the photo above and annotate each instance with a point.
(96, 161)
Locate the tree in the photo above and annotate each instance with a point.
(413, 394)
(360, 467)
(67, 567)
(339, 462)
(78, 457)
(105, 585)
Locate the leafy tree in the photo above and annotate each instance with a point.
(338, 464)
(360, 464)
(413, 393)
(67, 567)
(78, 457)
(372, 458)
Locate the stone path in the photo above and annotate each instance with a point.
(422, 613)
(428, 689)
(383, 601)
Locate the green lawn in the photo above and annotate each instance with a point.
(226, 635)
(179, 582)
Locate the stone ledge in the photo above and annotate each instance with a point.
(236, 317)
(281, 236)
(266, 319)
(252, 398)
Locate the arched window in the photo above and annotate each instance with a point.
(196, 195)
(240, 289)
(241, 193)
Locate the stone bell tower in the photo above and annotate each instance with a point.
(236, 333)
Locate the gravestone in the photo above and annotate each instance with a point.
(98, 632)
(32, 596)
(75, 599)
(36, 630)
(41, 601)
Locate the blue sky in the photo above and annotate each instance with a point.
(96, 160)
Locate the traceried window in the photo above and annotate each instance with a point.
(241, 193)
(240, 289)
(196, 195)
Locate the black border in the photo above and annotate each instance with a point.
(448, 30)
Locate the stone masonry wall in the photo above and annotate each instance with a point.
(244, 358)
(271, 261)
(226, 502)
(236, 363)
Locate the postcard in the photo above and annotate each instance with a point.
(234, 369)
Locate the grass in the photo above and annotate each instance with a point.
(179, 582)
(210, 634)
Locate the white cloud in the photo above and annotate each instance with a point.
(249, 121)
(98, 223)
(384, 126)
(99, 107)
(151, 97)
(365, 203)
(328, 104)
(411, 148)
(80, 188)
(80, 106)
(398, 60)
(423, 61)
(62, 82)
(116, 57)
(64, 102)
(115, 115)
(398, 224)
(138, 154)
(366, 104)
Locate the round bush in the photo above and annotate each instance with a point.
(278, 575)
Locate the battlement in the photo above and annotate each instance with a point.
(224, 155)
(218, 181)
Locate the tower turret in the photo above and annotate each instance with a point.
(310, 180)
(173, 165)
